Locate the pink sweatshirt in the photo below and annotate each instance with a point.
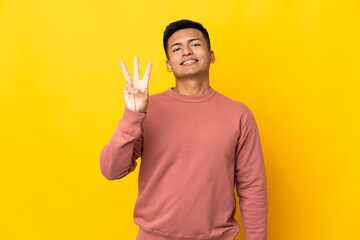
(194, 150)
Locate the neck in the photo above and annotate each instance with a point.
(192, 86)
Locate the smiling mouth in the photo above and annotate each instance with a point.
(189, 62)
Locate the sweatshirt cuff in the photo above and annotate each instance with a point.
(132, 120)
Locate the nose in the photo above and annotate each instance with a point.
(187, 51)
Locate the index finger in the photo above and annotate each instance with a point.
(147, 73)
(125, 72)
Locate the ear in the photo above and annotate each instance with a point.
(212, 56)
(168, 66)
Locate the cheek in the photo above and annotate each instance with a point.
(174, 58)
(206, 58)
(203, 54)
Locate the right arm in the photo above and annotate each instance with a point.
(118, 157)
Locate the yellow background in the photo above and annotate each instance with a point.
(294, 63)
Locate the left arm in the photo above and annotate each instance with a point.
(251, 179)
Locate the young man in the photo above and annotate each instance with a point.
(196, 145)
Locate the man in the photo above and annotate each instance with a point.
(196, 145)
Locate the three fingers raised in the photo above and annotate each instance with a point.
(136, 71)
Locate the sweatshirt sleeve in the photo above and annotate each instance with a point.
(251, 179)
(118, 157)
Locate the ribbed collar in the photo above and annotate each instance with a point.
(190, 98)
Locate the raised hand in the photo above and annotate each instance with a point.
(136, 91)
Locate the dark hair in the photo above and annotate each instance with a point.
(179, 25)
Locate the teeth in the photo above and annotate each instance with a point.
(189, 61)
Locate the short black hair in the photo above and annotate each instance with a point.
(179, 25)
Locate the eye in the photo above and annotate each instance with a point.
(196, 44)
(176, 49)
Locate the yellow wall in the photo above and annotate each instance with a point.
(294, 63)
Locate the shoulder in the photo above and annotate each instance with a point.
(157, 102)
(237, 106)
(157, 96)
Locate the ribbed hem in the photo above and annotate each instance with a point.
(190, 98)
(155, 235)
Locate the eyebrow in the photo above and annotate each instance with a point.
(190, 40)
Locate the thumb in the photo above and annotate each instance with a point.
(139, 94)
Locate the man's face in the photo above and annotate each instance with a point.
(188, 54)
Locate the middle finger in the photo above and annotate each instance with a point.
(136, 68)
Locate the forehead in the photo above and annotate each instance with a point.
(184, 35)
